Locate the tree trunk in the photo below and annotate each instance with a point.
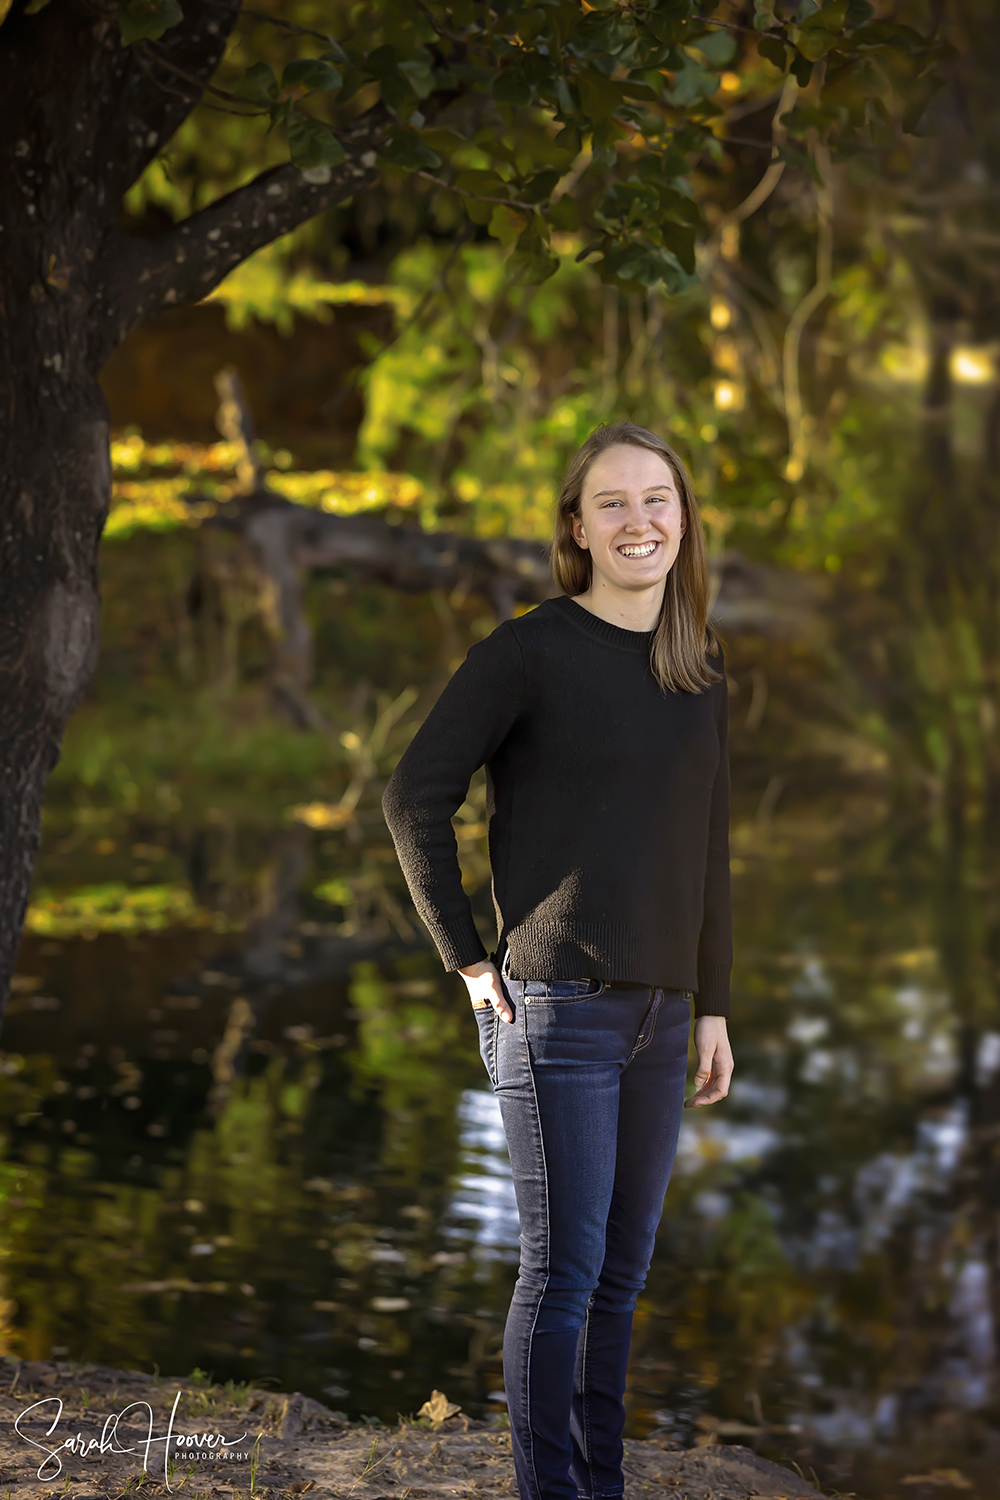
(54, 486)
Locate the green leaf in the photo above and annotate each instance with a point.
(506, 224)
(538, 187)
(773, 50)
(816, 44)
(829, 17)
(802, 119)
(691, 83)
(668, 29)
(680, 239)
(382, 60)
(801, 69)
(566, 146)
(645, 264)
(477, 211)
(311, 73)
(858, 12)
(147, 19)
(719, 47)
(311, 144)
(259, 83)
(510, 86)
(599, 96)
(565, 214)
(677, 206)
(531, 267)
(442, 140)
(405, 149)
(529, 21)
(918, 101)
(31, 9)
(420, 76)
(763, 15)
(484, 183)
(823, 30)
(567, 97)
(397, 91)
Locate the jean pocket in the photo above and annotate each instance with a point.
(488, 1021)
(561, 991)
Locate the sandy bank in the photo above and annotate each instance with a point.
(239, 1442)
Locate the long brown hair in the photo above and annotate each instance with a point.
(684, 639)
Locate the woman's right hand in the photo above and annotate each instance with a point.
(486, 988)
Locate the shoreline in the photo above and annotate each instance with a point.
(285, 1444)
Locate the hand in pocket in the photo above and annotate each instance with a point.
(486, 988)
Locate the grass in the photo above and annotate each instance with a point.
(135, 1482)
(255, 1463)
(238, 1391)
(370, 1464)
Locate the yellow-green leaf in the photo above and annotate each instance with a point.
(506, 224)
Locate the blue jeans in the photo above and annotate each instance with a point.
(590, 1081)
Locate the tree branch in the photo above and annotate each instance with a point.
(141, 277)
(194, 50)
(279, 21)
(481, 197)
(201, 87)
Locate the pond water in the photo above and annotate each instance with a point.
(267, 1149)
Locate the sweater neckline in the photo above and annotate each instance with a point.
(603, 630)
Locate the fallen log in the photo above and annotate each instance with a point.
(287, 541)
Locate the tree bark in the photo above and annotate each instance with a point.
(83, 116)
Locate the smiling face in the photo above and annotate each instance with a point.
(631, 519)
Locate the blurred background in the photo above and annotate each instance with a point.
(243, 1120)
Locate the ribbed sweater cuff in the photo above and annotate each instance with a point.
(459, 944)
(712, 995)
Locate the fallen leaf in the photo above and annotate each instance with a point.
(438, 1408)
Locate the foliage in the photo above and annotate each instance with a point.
(545, 119)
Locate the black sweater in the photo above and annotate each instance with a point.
(608, 808)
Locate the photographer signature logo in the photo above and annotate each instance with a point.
(198, 1446)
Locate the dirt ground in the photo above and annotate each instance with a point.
(269, 1445)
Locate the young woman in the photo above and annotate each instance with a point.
(601, 719)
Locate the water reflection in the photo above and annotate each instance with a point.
(270, 1152)
(484, 1204)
